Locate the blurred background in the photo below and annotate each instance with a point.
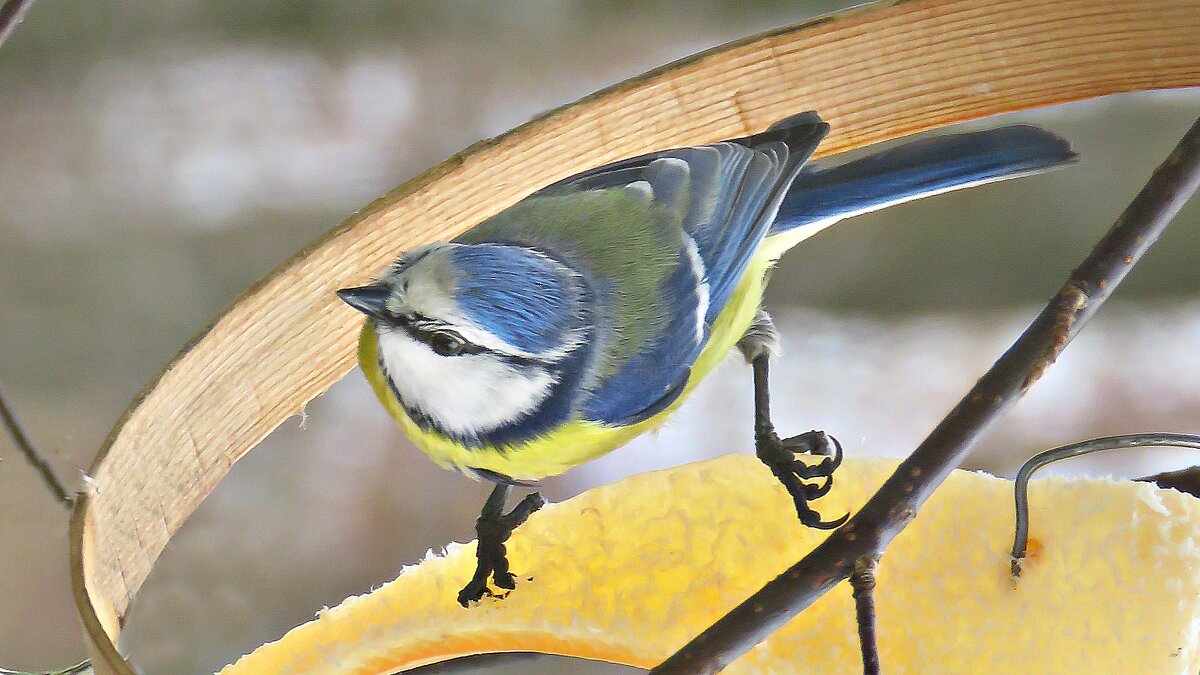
(158, 156)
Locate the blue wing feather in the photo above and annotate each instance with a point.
(746, 198)
(654, 377)
(918, 169)
(730, 193)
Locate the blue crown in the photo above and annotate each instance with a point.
(518, 295)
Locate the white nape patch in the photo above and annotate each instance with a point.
(701, 273)
(466, 395)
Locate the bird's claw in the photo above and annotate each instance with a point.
(812, 519)
(490, 553)
(780, 456)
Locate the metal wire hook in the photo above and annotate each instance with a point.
(1021, 488)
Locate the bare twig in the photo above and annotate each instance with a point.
(862, 581)
(11, 13)
(1021, 485)
(895, 504)
(1186, 480)
(21, 440)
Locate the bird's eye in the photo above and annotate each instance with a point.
(447, 343)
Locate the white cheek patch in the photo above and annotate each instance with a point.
(466, 395)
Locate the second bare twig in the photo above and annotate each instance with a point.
(862, 581)
(1186, 480)
(21, 440)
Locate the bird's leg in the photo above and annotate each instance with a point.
(780, 454)
(493, 528)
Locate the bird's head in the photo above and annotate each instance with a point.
(471, 335)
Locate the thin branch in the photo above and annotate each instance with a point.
(1021, 484)
(11, 13)
(9, 417)
(896, 503)
(1186, 480)
(862, 581)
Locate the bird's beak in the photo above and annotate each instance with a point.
(367, 299)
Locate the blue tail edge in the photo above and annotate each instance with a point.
(918, 169)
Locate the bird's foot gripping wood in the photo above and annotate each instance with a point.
(493, 528)
(780, 456)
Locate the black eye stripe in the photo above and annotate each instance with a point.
(425, 332)
(423, 329)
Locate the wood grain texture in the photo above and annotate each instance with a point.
(875, 74)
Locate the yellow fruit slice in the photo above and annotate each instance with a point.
(629, 572)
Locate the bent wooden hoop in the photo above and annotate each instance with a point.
(874, 74)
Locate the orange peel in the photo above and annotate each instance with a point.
(629, 572)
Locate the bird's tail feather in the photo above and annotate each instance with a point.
(918, 169)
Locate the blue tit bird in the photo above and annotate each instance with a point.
(580, 317)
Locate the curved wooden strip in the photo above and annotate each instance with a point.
(875, 74)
